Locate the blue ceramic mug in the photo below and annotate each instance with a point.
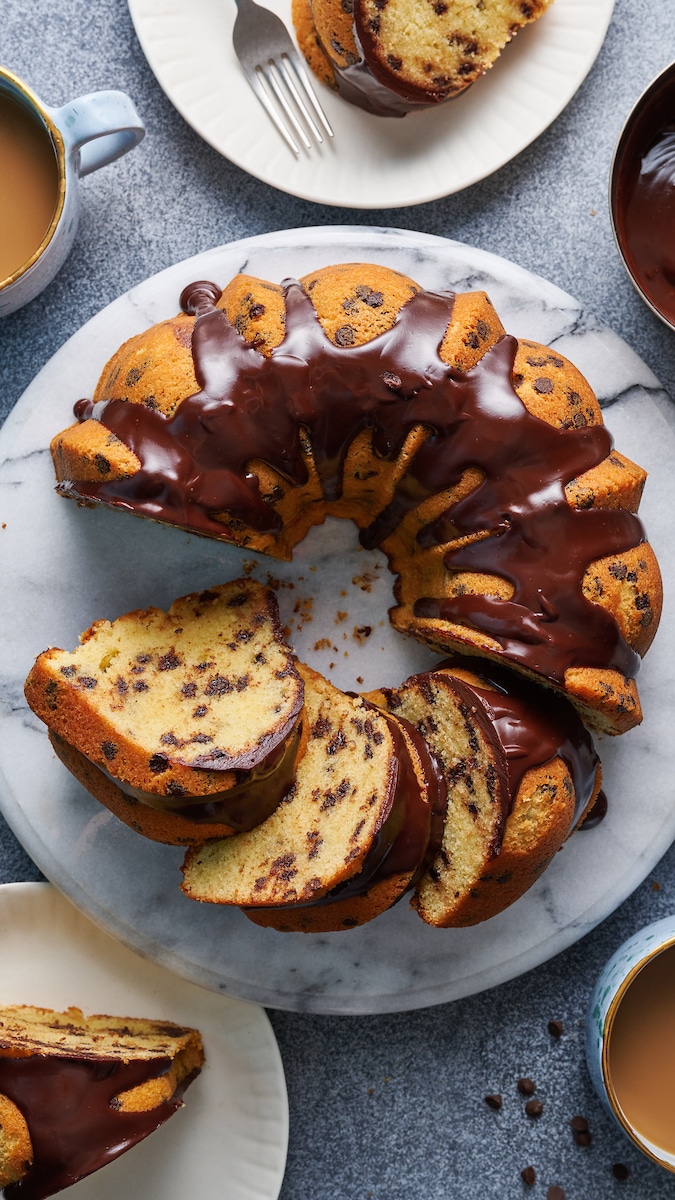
(83, 135)
(624, 1031)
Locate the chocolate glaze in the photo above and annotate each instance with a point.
(532, 725)
(256, 795)
(369, 85)
(68, 1106)
(195, 464)
(643, 195)
(596, 814)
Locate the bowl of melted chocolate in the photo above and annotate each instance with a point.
(642, 195)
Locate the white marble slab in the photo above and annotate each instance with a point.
(68, 566)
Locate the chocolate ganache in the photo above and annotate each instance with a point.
(73, 1118)
(531, 726)
(195, 464)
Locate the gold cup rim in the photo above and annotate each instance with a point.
(59, 149)
(669, 944)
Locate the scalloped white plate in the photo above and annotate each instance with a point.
(234, 1125)
(373, 162)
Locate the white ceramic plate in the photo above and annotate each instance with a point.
(234, 1126)
(71, 565)
(373, 162)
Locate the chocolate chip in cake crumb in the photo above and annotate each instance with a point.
(394, 62)
(375, 299)
(68, 672)
(494, 1100)
(542, 385)
(133, 376)
(169, 661)
(528, 1175)
(620, 1171)
(218, 686)
(158, 764)
(534, 1108)
(109, 750)
(555, 1028)
(526, 1086)
(344, 336)
(169, 739)
(440, 8)
(88, 682)
(102, 465)
(140, 686)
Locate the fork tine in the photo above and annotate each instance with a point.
(284, 67)
(274, 78)
(255, 79)
(310, 94)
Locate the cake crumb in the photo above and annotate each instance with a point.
(322, 644)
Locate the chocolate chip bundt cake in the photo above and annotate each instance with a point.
(476, 461)
(76, 1091)
(177, 721)
(391, 56)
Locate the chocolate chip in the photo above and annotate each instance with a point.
(392, 381)
(619, 1171)
(555, 1028)
(68, 672)
(555, 1193)
(86, 681)
(494, 1100)
(534, 1108)
(583, 1139)
(169, 661)
(109, 750)
(394, 62)
(158, 763)
(579, 1124)
(543, 385)
(375, 300)
(526, 1087)
(344, 336)
(528, 1175)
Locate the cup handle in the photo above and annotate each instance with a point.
(101, 127)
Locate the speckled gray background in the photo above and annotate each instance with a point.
(385, 1107)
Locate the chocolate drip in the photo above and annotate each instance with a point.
(532, 727)
(195, 465)
(596, 814)
(70, 1109)
(249, 802)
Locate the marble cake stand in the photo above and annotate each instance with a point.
(69, 566)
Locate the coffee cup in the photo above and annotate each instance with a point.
(630, 1039)
(43, 154)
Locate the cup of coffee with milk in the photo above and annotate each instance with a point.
(630, 1040)
(43, 154)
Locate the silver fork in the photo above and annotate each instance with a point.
(277, 75)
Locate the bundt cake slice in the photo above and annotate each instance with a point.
(186, 723)
(391, 56)
(76, 1091)
(521, 772)
(330, 857)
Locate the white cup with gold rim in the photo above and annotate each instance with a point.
(630, 1040)
(46, 151)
